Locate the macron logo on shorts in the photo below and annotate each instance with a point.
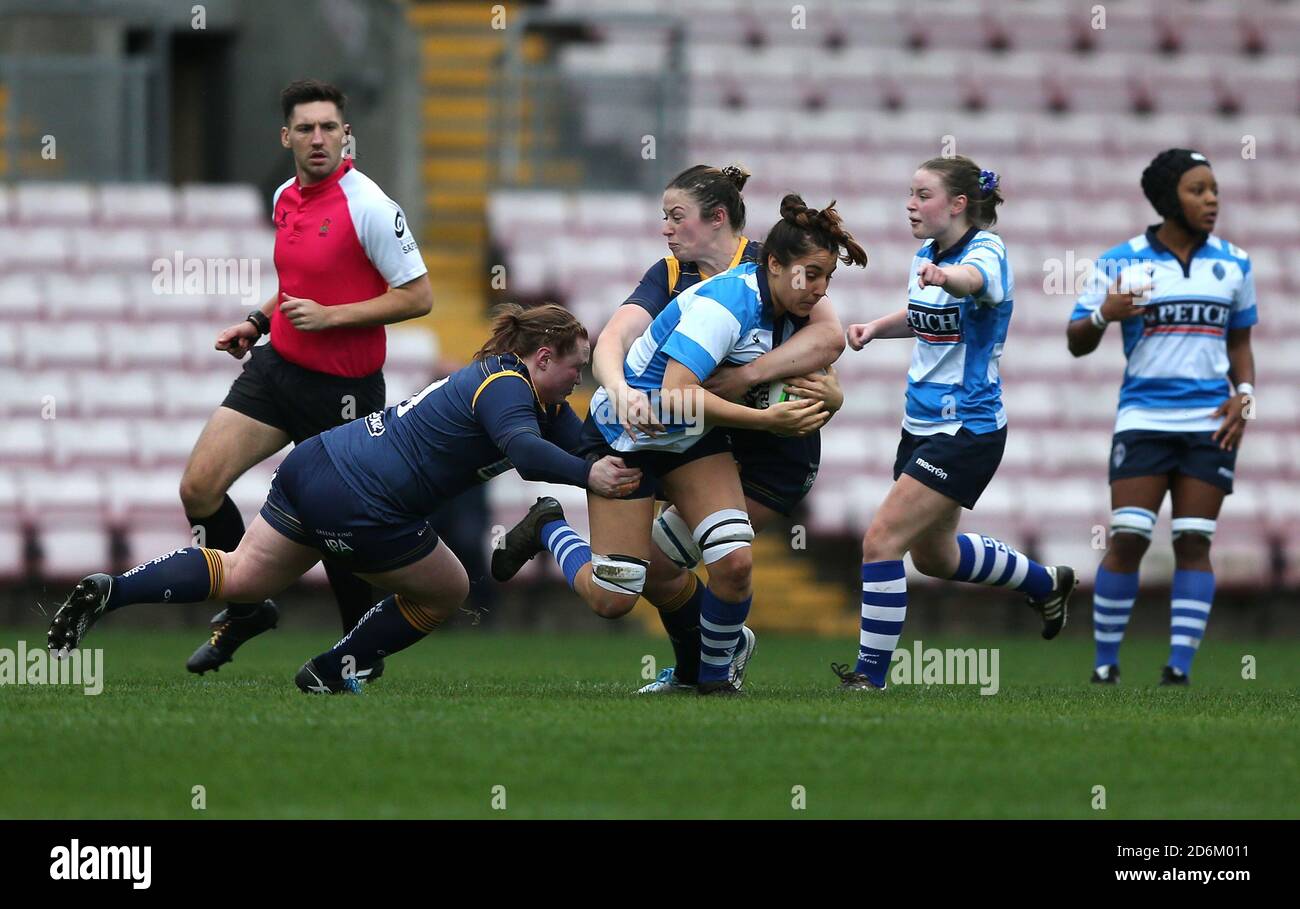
(937, 471)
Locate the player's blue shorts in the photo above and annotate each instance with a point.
(1149, 452)
(960, 465)
(776, 471)
(310, 503)
(654, 464)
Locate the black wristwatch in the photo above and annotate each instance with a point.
(260, 322)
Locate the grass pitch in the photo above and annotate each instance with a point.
(552, 720)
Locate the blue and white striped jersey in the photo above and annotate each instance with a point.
(953, 380)
(724, 320)
(1177, 349)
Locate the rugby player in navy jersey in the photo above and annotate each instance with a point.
(959, 303)
(362, 494)
(704, 216)
(732, 318)
(1185, 302)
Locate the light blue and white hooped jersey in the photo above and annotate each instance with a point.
(1177, 349)
(953, 381)
(725, 320)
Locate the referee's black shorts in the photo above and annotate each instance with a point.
(299, 401)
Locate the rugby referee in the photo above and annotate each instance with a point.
(348, 265)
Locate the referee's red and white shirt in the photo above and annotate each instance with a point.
(339, 241)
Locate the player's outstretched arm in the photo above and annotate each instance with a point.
(893, 325)
(957, 280)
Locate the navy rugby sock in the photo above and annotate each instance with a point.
(183, 576)
(394, 624)
(681, 619)
(223, 529)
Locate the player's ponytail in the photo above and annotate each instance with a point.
(522, 331)
(711, 188)
(802, 230)
(962, 177)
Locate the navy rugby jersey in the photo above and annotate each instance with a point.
(460, 431)
(668, 277)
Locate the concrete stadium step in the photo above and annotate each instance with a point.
(479, 45)
(449, 15)
(461, 170)
(466, 231)
(469, 201)
(441, 76)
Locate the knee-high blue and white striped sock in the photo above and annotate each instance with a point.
(720, 624)
(884, 607)
(1112, 603)
(570, 550)
(985, 560)
(1193, 595)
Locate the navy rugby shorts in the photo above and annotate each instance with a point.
(960, 466)
(1149, 452)
(311, 503)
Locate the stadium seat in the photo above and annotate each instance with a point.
(13, 562)
(111, 394)
(34, 247)
(91, 295)
(219, 204)
(22, 295)
(25, 440)
(145, 345)
(103, 247)
(43, 493)
(70, 344)
(146, 541)
(69, 543)
(41, 203)
(136, 204)
(92, 442)
(412, 347)
(167, 442)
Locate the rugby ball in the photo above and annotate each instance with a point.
(763, 396)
